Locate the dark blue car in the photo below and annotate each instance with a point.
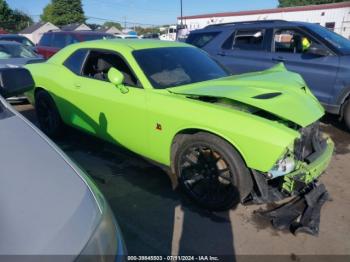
(321, 56)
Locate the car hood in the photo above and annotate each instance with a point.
(275, 90)
(46, 207)
(18, 62)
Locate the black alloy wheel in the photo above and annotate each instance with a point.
(48, 116)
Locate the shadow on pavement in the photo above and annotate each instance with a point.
(154, 218)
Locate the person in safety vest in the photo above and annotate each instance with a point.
(305, 43)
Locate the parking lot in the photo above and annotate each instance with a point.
(155, 219)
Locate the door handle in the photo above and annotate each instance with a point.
(279, 59)
(77, 85)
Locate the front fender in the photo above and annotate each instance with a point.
(257, 152)
(260, 142)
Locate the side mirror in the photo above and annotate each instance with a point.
(15, 81)
(117, 78)
(317, 50)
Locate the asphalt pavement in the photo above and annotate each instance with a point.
(156, 219)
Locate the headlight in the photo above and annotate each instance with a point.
(106, 243)
(283, 167)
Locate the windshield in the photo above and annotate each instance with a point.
(335, 39)
(25, 41)
(8, 51)
(21, 40)
(175, 66)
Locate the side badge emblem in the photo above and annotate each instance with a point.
(159, 127)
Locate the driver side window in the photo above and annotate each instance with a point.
(292, 41)
(98, 64)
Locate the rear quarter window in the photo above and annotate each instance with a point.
(249, 39)
(75, 62)
(45, 40)
(59, 40)
(201, 39)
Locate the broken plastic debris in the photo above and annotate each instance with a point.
(301, 214)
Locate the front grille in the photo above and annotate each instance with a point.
(309, 143)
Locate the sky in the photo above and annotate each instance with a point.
(151, 12)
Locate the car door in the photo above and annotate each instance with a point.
(245, 51)
(290, 46)
(46, 45)
(100, 108)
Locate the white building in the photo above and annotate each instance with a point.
(35, 31)
(333, 16)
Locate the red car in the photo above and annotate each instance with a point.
(51, 42)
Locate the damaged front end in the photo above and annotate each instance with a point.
(292, 112)
(296, 174)
(299, 167)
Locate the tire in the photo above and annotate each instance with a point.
(49, 119)
(346, 114)
(210, 171)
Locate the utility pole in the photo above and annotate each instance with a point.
(124, 18)
(179, 27)
(181, 13)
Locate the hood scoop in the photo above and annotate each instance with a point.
(267, 95)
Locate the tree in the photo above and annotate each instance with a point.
(20, 20)
(13, 20)
(47, 13)
(5, 14)
(63, 12)
(145, 30)
(115, 24)
(289, 3)
(93, 26)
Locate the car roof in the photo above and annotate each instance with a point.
(252, 24)
(3, 42)
(135, 44)
(119, 45)
(87, 32)
(11, 36)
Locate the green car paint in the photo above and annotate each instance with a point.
(146, 120)
(245, 89)
(308, 173)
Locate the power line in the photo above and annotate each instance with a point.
(119, 21)
(124, 21)
(137, 7)
(133, 7)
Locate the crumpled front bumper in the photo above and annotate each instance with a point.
(307, 173)
(302, 213)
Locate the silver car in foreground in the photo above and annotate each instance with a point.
(48, 205)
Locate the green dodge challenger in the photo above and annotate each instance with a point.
(227, 138)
